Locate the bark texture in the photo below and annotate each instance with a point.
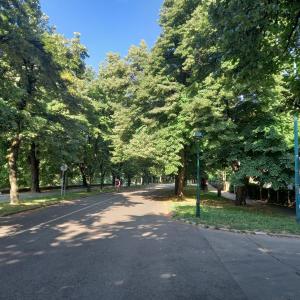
(12, 158)
(241, 194)
(83, 175)
(102, 177)
(85, 183)
(180, 178)
(34, 168)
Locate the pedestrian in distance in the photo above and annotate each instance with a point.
(117, 185)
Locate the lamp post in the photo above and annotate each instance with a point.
(198, 135)
(296, 148)
(63, 169)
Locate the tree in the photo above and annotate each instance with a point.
(197, 52)
(28, 66)
(261, 40)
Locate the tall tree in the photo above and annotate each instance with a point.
(22, 26)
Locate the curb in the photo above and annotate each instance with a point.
(204, 226)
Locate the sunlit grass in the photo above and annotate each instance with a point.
(43, 201)
(47, 200)
(220, 212)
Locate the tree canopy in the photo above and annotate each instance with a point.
(228, 68)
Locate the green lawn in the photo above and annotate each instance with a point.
(7, 209)
(43, 201)
(220, 212)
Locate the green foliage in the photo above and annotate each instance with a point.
(222, 213)
(227, 68)
(232, 82)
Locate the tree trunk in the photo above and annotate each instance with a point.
(241, 194)
(224, 180)
(128, 181)
(89, 176)
(176, 185)
(289, 199)
(144, 178)
(180, 183)
(219, 190)
(12, 158)
(83, 175)
(84, 181)
(181, 176)
(66, 179)
(102, 177)
(269, 197)
(34, 168)
(260, 194)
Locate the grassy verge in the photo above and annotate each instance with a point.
(220, 212)
(47, 200)
(43, 201)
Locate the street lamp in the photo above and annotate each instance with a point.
(296, 151)
(198, 135)
(296, 148)
(63, 169)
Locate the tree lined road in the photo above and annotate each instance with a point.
(124, 246)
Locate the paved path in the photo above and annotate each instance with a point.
(123, 246)
(227, 195)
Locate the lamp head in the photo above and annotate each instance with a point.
(198, 135)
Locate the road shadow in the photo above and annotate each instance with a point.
(115, 250)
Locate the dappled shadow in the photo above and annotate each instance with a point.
(120, 218)
(161, 192)
(114, 246)
(85, 241)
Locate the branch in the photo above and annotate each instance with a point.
(296, 22)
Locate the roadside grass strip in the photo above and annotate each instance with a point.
(29, 204)
(43, 201)
(222, 213)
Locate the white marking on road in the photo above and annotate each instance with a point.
(36, 227)
(167, 275)
(120, 282)
(263, 250)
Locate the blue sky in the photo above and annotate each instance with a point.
(106, 25)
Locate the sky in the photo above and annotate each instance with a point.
(105, 25)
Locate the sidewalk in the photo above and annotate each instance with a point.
(231, 196)
(227, 195)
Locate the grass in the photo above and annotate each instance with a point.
(43, 201)
(47, 200)
(220, 212)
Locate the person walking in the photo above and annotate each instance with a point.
(118, 184)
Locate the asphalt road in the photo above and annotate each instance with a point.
(123, 246)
